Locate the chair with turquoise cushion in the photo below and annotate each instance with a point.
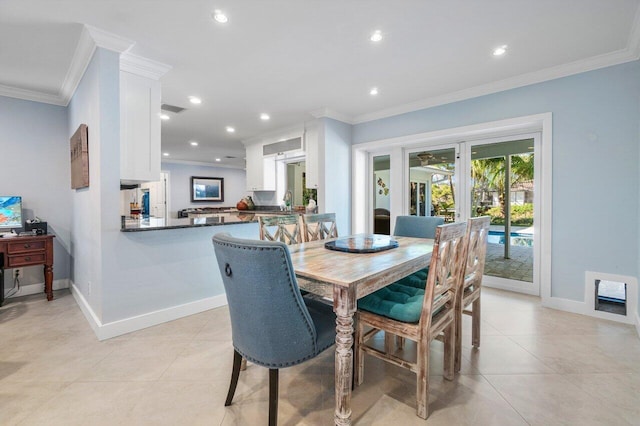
(469, 292)
(417, 227)
(272, 325)
(418, 318)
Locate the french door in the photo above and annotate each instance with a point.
(456, 181)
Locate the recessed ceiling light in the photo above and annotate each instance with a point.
(166, 154)
(195, 100)
(164, 117)
(500, 50)
(376, 36)
(264, 117)
(217, 159)
(220, 17)
(373, 91)
(230, 129)
(193, 143)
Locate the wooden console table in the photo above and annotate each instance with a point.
(18, 252)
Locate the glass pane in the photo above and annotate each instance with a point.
(432, 187)
(381, 195)
(512, 210)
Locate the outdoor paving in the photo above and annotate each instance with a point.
(518, 267)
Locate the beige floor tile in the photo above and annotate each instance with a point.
(535, 365)
(19, 400)
(202, 361)
(575, 354)
(551, 399)
(135, 360)
(501, 355)
(619, 392)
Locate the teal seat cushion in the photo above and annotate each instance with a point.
(417, 279)
(396, 301)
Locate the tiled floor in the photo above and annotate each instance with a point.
(536, 366)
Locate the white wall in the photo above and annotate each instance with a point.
(235, 183)
(35, 163)
(595, 163)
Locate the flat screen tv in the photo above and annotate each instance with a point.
(10, 213)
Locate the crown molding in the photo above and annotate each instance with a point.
(596, 62)
(333, 114)
(145, 67)
(31, 95)
(109, 41)
(634, 37)
(79, 63)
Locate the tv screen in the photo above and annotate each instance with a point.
(10, 212)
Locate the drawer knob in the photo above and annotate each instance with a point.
(27, 259)
(27, 245)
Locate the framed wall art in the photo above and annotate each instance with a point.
(207, 189)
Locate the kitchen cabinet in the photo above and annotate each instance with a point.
(312, 158)
(140, 118)
(261, 170)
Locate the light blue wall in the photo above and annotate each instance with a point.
(34, 153)
(595, 163)
(131, 274)
(96, 104)
(235, 185)
(337, 172)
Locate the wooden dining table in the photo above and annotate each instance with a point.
(345, 278)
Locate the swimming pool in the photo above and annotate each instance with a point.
(517, 238)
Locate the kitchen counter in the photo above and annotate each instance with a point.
(157, 224)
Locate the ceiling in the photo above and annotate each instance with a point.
(296, 59)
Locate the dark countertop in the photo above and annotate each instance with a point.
(156, 224)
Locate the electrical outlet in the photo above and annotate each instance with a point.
(88, 288)
(17, 273)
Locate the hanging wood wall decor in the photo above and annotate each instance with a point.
(80, 158)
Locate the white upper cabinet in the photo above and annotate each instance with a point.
(312, 158)
(261, 170)
(140, 118)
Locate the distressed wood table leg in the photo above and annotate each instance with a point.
(344, 305)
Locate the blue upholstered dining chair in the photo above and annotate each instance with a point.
(417, 226)
(272, 325)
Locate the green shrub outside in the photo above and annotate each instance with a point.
(520, 215)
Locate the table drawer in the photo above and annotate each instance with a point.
(24, 246)
(25, 259)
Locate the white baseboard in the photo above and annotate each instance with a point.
(127, 325)
(583, 308)
(37, 288)
(509, 285)
(567, 305)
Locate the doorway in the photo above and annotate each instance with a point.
(381, 196)
(534, 127)
(502, 186)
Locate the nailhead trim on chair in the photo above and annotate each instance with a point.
(310, 329)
